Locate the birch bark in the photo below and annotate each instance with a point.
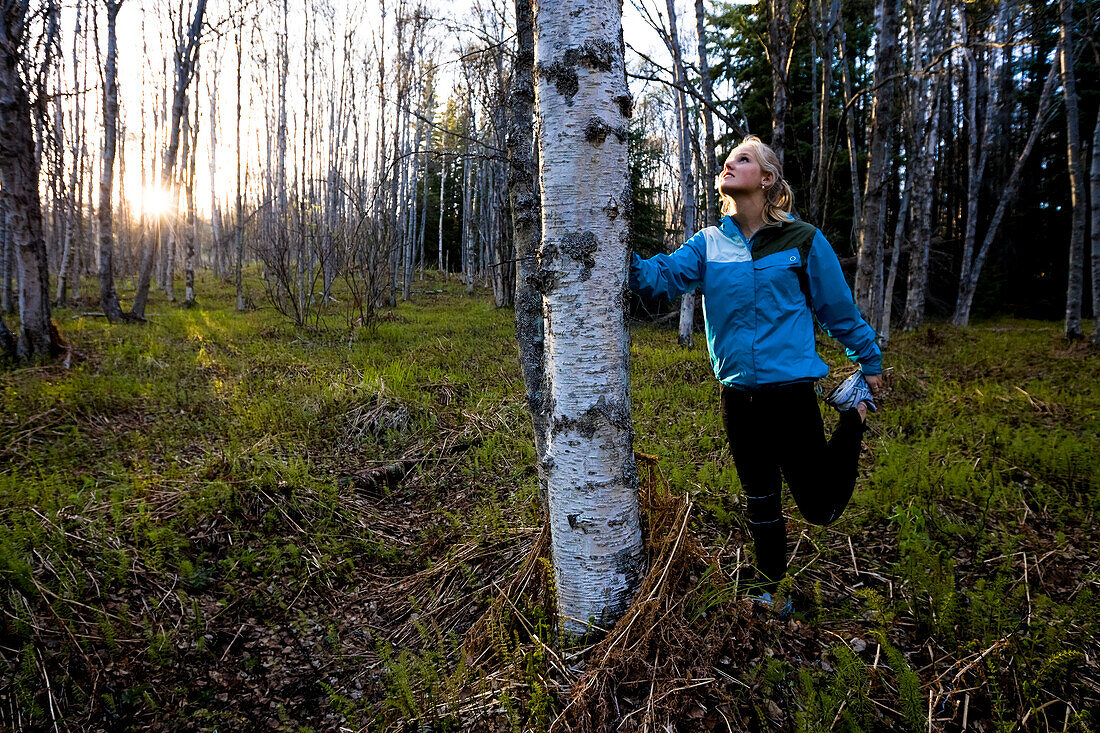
(68, 254)
(850, 127)
(818, 183)
(442, 200)
(592, 486)
(1075, 284)
(19, 182)
(1094, 185)
(920, 215)
(868, 283)
(7, 261)
(980, 144)
(779, 51)
(968, 281)
(190, 156)
(523, 194)
(7, 342)
(217, 245)
(107, 296)
(238, 223)
(185, 60)
(687, 178)
(709, 154)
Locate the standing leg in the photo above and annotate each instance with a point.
(747, 416)
(821, 476)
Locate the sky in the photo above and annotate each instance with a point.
(142, 53)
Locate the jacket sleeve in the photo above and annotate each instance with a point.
(671, 275)
(836, 311)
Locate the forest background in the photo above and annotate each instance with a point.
(315, 167)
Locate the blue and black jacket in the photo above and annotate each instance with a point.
(757, 301)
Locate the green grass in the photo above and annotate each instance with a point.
(188, 540)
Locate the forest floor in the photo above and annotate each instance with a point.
(219, 521)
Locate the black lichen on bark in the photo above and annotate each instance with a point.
(582, 248)
(543, 280)
(632, 565)
(601, 415)
(612, 208)
(596, 131)
(597, 55)
(562, 75)
(626, 105)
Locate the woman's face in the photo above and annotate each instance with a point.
(742, 172)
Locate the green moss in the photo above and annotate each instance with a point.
(209, 453)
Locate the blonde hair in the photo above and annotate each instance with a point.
(778, 198)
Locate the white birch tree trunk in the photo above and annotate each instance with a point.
(7, 342)
(687, 179)
(442, 201)
(185, 60)
(850, 126)
(523, 194)
(66, 216)
(7, 261)
(921, 222)
(928, 41)
(709, 153)
(819, 185)
(19, 175)
(107, 296)
(190, 155)
(779, 51)
(1075, 284)
(968, 280)
(583, 103)
(1094, 185)
(980, 145)
(216, 244)
(238, 263)
(868, 288)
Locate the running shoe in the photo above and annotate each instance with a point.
(850, 393)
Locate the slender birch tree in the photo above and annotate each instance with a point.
(706, 85)
(872, 225)
(968, 278)
(925, 133)
(592, 486)
(1094, 190)
(780, 47)
(7, 342)
(1075, 285)
(238, 226)
(185, 61)
(850, 125)
(980, 138)
(818, 182)
(7, 261)
(19, 178)
(687, 178)
(108, 298)
(523, 194)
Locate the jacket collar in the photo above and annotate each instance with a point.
(729, 226)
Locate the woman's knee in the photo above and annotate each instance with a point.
(822, 517)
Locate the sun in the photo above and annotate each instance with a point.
(157, 201)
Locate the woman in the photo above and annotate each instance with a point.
(765, 277)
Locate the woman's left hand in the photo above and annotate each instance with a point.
(874, 381)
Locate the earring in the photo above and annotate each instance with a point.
(762, 186)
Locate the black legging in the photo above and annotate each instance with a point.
(780, 428)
